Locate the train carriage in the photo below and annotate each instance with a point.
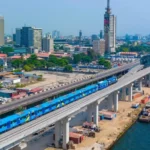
(112, 80)
(9, 122)
(37, 111)
(102, 84)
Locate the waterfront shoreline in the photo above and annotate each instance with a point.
(127, 128)
(113, 130)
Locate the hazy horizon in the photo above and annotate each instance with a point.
(70, 16)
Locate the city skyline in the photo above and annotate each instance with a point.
(72, 16)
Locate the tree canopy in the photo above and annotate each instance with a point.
(6, 50)
(68, 68)
(104, 62)
(131, 48)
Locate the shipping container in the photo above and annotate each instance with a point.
(137, 95)
(145, 100)
(75, 137)
(108, 114)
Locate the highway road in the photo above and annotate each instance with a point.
(52, 92)
(25, 130)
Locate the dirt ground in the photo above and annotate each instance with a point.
(54, 78)
(111, 129)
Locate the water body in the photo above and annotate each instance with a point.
(136, 138)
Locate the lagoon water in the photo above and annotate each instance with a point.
(136, 138)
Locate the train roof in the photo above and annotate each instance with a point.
(33, 109)
(46, 104)
(9, 118)
(105, 81)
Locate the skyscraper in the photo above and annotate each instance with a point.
(29, 37)
(36, 38)
(18, 36)
(25, 41)
(80, 35)
(109, 30)
(1, 31)
(101, 34)
(55, 34)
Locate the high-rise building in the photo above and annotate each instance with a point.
(99, 46)
(29, 37)
(25, 37)
(80, 35)
(48, 44)
(55, 34)
(1, 31)
(109, 30)
(101, 34)
(35, 36)
(14, 37)
(18, 36)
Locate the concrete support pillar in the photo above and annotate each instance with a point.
(148, 80)
(89, 113)
(57, 133)
(124, 93)
(116, 101)
(110, 101)
(65, 132)
(130, 90)
(120, 95)
(96, 113)
(140, 85)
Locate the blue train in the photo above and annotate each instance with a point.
(18, 119)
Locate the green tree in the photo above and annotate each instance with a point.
(19, 109)
(27, 68)
(76, 58)
(86, 59)
(104, 62)
(69, 59)
(91, 53)
(125, 49)
(68, 68)
(6, 50)
(50, 64)
(17, 63)
(52, 59)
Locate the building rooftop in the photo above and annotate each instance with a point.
(3, 55)
(7, 91)
(43, 55)
(15, 57)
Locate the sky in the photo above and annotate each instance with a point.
(70, 16)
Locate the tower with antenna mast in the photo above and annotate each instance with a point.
(109, 30)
